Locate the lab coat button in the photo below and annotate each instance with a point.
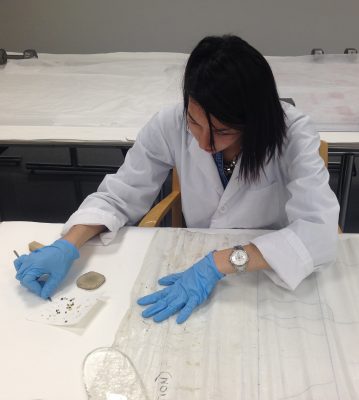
(223, 209)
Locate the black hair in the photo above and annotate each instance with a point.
(233, 82)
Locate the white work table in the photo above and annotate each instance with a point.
(41, 361)
(45, 362)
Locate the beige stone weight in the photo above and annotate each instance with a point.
(90, 280)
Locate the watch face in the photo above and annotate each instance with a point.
(239, 257)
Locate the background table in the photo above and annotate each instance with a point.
(103, 100)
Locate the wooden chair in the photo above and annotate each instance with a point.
(323, 151)
(172, 202)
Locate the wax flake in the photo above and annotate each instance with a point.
(64, 310)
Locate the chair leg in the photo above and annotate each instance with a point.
(177, 215)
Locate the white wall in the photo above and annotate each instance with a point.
(275, 27)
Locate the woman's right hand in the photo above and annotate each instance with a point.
(54, 260)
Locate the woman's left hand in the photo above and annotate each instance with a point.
(186, 290)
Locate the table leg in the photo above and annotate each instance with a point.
(345, 185)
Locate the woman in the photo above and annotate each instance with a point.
(244, 159)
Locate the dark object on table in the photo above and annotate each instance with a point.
(29, 53)
(3, 57)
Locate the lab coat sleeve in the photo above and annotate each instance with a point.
(123, 198)
(310, 239)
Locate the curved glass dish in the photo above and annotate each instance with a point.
(108, 374)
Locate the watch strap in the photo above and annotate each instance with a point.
(239, 268)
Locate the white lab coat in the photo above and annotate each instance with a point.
(292, 197)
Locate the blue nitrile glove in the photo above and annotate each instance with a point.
(54, 260)
(186, 290)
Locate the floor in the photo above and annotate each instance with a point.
(42, 197)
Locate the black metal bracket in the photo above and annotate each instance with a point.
(317, 52)
(350, 50)
(29, 53)
(3, 57)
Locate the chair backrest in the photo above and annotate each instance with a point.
(323, 151)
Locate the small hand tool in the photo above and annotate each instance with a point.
(17, 255)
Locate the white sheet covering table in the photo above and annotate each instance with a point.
(92, 98)
(308, 347)
(253, 340)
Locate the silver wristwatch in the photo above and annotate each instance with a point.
(239, 259)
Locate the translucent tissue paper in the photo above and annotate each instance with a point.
(109, 374)
(250, 340)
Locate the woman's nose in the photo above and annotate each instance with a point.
(204, 142)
